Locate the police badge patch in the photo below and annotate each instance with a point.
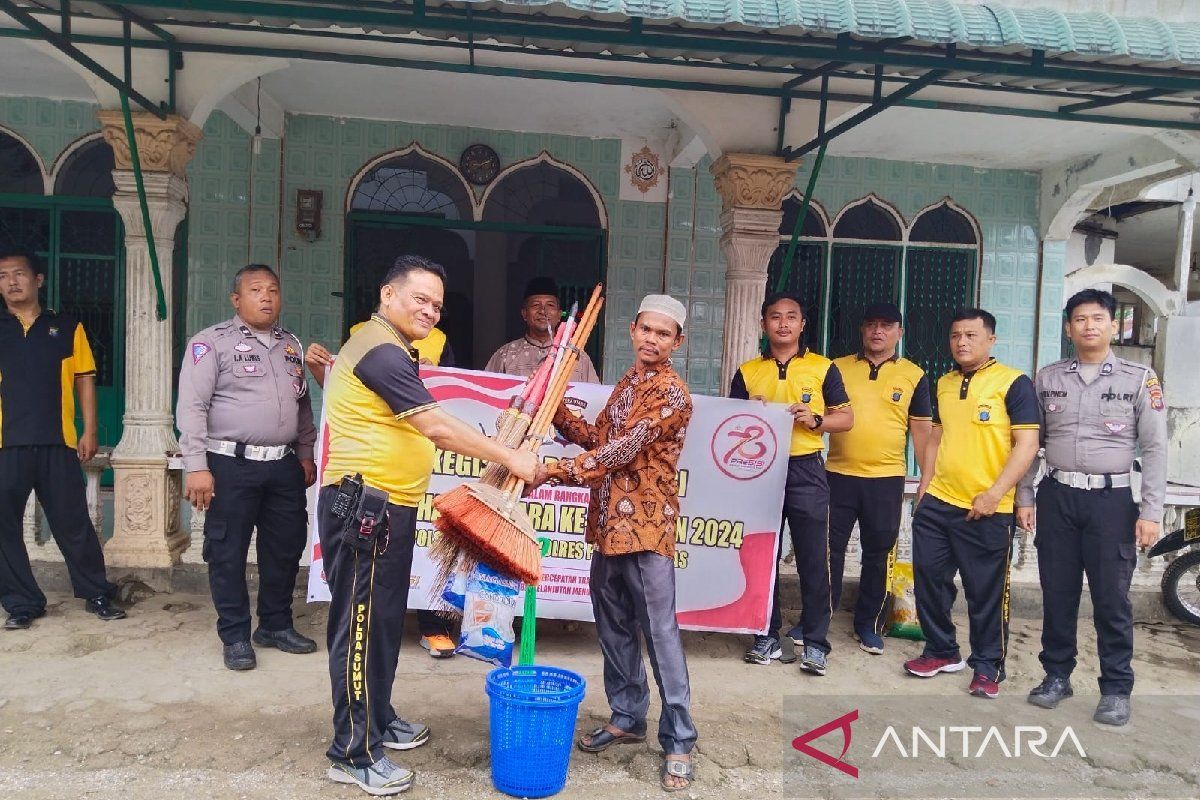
(199, 351)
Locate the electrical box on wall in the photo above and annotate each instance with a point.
(308, 213)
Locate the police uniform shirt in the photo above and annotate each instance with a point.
(885, 397)
(977, 412)
(1097, 427)
(38, 368)
(806, 378)
(234, 388)
(373, 389)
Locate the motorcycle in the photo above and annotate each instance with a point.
(1181, 580)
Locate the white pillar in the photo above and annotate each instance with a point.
(1183, 248)
(146, 527)
(752, 188)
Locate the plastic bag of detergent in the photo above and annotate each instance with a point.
(489, 606)
(454, 594)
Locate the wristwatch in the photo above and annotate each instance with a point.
(818, 419)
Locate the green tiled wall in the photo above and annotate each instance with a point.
(696, 273)
(48, 125)
(225, 229)
(1050, 338)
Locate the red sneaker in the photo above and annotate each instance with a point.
(984, 687)
(928, 666)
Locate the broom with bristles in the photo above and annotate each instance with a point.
(486, 523)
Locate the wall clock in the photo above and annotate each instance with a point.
(480, 164)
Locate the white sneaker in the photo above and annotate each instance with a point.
(380, 779)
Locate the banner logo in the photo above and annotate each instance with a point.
(744, 447)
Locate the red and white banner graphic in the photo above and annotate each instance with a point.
(732, 474)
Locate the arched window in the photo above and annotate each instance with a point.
(87, 172)
(807, 275)
(541, 194)
(940, 275)
(864, 269)
(20, 172)
(413, 184)
(529, 199)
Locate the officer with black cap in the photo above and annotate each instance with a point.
(867, 463)
(247, 437)
(541, 313)
(1098, 411)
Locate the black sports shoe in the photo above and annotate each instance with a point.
(103, 608)
(239, 656)
(1050, 692)
(289, 640)
(21, 620)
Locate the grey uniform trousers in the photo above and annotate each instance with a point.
(638, 591)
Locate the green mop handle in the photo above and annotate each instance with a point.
(529, 618)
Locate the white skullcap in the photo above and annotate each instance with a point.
(665, 305)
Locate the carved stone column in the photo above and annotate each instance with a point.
(146, 530)
(752, 188)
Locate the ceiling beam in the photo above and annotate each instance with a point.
(1102, 102)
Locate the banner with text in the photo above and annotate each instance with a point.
(731, 475)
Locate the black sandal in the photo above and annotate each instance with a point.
(676, 769)
(601, 739)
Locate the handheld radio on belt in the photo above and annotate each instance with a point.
(364, 509)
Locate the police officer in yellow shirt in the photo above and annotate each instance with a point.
(788, 372)
(985, 436)
(383, 428)
(867, 464)
(433, 350)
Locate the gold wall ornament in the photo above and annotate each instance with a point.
(644, 169)
(163, 145)
(747, 180)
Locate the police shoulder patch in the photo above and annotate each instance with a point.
(199, 351)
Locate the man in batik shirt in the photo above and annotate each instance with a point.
(631, 468)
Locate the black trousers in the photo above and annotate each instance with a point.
(1087, 532)
(875, 504)
(53, 472)
(369, 591)
(806, 509)
(944, 543)
(268, 495)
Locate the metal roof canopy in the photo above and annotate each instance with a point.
(772, 49)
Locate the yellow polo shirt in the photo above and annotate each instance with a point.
(885, 397)
(372, 391)
(806, 378)
(978, 412)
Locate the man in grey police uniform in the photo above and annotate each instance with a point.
(247, 436)
(1098, 410)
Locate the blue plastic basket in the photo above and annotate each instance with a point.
(533, 711)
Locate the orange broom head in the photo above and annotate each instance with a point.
(451, 506)
(499, 533)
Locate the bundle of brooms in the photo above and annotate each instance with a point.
(484, 521)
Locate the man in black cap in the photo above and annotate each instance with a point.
(541, 313)
(867, 463)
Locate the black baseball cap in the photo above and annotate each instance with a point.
(888, 312)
